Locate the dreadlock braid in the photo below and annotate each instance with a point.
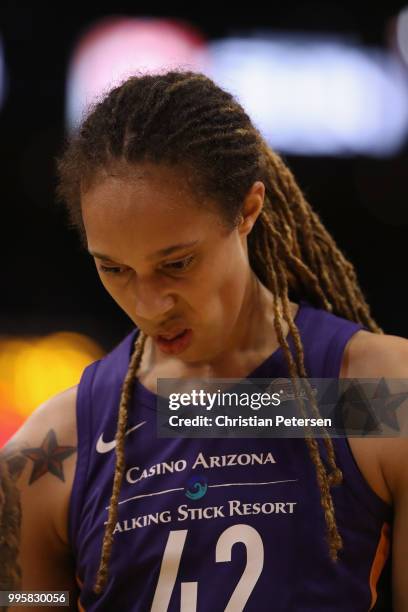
(10, 525)
(317, 247)
(184, 120)
(296, 369)
(120, 461)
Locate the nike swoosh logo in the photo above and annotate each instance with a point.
(105, 447)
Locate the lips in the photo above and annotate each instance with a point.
(170, 335)
(176, 344)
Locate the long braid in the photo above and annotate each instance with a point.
(297, 368)
(335, 273)
(10, 525)
(128, 383)
(185, 120)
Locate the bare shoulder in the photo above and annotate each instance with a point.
(49, 428)
(36, 468)
(43, 453)
(370, 355)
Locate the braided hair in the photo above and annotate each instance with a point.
(10, 528)
(184, 120)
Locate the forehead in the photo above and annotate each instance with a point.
(143, 207)
(138, 185)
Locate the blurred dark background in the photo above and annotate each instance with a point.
(49, 283)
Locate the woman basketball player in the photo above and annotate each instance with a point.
(201, 235)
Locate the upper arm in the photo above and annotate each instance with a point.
(400, 527)
(382, 356)
(36, 471)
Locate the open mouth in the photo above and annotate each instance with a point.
(174, 337)
(177, 343)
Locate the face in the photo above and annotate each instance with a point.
(167, 260)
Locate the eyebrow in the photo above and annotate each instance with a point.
(160, 253)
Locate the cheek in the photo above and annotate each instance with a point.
(232, 293)
(118, 294)
(231, 273)
(221, 291)
(226, 272)
(104, 281)
(107, 283)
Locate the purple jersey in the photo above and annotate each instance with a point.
(221, 523)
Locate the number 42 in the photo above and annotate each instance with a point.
(171, 562)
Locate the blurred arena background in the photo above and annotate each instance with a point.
(326, 83)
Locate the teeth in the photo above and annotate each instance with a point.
(174, 336)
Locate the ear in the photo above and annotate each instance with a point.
(251, 208)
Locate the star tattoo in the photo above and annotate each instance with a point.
(387, 404)
(48, 457)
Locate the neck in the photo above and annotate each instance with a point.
(255, 320)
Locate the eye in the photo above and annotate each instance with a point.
(180, 265)
(177, 266)
(111, 269)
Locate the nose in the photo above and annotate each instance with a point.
(152, 299)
